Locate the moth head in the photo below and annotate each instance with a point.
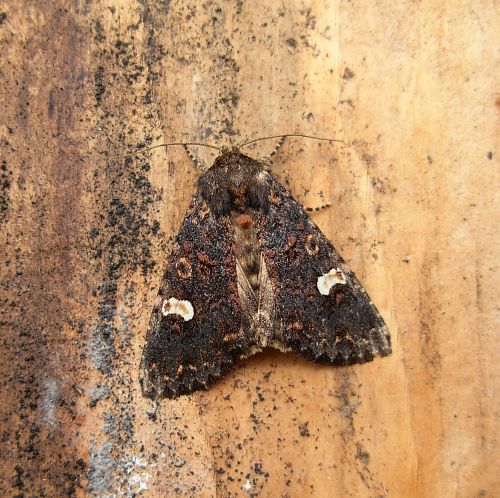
(227, 151)
(235, 182)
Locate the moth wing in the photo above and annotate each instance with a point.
(183, 355)
(342, 327)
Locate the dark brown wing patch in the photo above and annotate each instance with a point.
(182, 355)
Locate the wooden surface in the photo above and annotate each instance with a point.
(409, 86)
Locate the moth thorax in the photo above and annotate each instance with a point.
(246, 245)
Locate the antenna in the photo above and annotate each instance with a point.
(290, 135)
(185, 144)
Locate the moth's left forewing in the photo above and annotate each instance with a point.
(323, 311)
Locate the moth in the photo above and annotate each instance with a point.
(250, 270)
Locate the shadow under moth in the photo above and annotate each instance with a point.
(249, 270)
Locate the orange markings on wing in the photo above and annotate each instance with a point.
(244, 221)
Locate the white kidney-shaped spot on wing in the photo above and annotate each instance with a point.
(328, 280)
(173, 306)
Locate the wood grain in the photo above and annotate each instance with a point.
(409, 87)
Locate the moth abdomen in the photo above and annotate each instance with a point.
(246, 246)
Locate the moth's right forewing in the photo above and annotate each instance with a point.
(195, 332)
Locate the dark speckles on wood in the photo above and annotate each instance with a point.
(5, 184)
(256, 272)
